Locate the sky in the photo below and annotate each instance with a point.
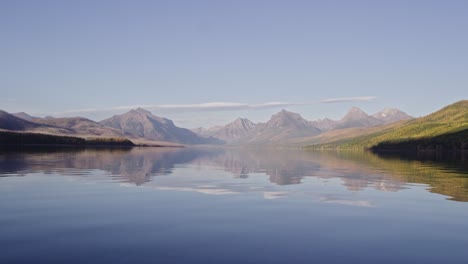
(204, 63)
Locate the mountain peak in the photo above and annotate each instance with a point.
(286, 112)
(357, 118)
(391, 115)
(24, 116)
(141, 123)
(142, 114)
(11, 122)
(141, 111)
(241, 123)
(234, 131)
(356, 109)
(390, 110)
(355, 113)
(285, 118)
(240, 120)
(325, 124)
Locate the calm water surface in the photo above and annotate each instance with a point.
(210, 205)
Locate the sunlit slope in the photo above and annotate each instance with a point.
(448, 120)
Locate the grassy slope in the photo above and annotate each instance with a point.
(341, 135)
(449, 120)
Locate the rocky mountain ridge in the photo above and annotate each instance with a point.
(142, 123)
(284, 126)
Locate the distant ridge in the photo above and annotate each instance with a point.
(287, 127)
(24, 116)
(13, 123)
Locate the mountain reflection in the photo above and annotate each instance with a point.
(134, 165)
(355, 170)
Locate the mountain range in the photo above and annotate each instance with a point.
(140, 125)
(288, 127)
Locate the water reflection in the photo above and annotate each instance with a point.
(134, 165)
(356, 171)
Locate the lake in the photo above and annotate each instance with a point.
(220, 205)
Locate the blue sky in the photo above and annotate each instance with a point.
(97, 58)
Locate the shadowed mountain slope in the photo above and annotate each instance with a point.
(232, 132)
(141, 123)
(81, 126)
(13, 123)
(282, 126)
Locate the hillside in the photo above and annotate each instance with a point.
(449, 120)
(80, 126)
(338, 135)
(93, 131)
(448, 141)
(14, 123)
(11, 122)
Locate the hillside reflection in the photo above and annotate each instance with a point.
(357, 171)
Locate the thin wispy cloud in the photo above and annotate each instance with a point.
(217, 106)
(348, 99)
(212, 106)
(274, 105)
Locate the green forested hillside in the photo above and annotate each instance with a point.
(447, 141)
(9, 138)
(449, 120)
